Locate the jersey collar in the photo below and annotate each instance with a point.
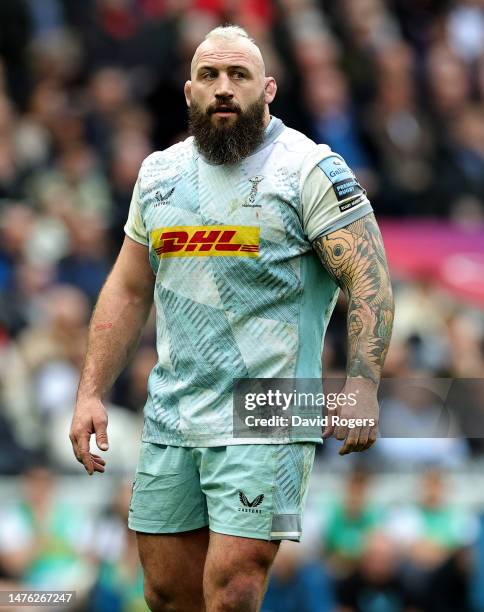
(273, 130)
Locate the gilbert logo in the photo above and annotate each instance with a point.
(250, 506)
(255, 180)
(206, 241)
(163, 199)
(338, 171)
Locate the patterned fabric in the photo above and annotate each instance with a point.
(239, 292)
(248, 490)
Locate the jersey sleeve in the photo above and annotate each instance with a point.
(134, 227)
(331, 197)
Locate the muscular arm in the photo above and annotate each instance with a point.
(355, 258)
(119, 317)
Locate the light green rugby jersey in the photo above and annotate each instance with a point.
(239, 292)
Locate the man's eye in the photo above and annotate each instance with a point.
(208, 76)
(239, 75)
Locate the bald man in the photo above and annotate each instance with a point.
(243, 235)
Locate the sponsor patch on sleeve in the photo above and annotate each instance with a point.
(344, 181)
(352, 203)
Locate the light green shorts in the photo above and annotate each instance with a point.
(254, 491)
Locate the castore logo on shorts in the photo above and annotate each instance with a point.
(250, 506)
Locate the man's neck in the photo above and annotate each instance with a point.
(267, 117)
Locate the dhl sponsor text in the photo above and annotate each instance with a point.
(206, 241)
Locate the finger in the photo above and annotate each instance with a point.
(98, 459)
(75, 450)
(98, 468)
(84, 455)
(329, 429)
(92, 466)
(98, 463)
(363, 438)
(79, 441)
(369, 444)
(87, 462)
(351, 442)
(341, 432)
(100, 429)
(372, 438)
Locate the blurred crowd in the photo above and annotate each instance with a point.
(420, 554)
(422, 550)
(87, 90)
(50, 543)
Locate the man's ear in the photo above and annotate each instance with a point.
(270, 90)
(187, 90)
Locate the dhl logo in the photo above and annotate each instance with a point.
(206, 241)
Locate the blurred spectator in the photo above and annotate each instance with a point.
(87, 264)
(449, 586)
(349, 523)
(76, 174)
(62, 333)
(401, 135)
(376, 584)
(40, 538)
(131, 390)
(15, 32)
(465, 153)
(108, 95)
(416, 426)
(465, 23)
(433, 527)
(334, 123)
(435, 535)
(119, 584)
(422, 326)
(12, 455)
(41, 371)
(422, 21)
(16, 225)
(466, 335)
(131, 146)
(297, 583)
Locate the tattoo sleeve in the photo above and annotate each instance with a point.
(354, 257)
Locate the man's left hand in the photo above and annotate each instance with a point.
(366, 410)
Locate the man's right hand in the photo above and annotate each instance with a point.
(90, 417)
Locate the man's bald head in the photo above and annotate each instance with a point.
(228, 96)
(229, 37)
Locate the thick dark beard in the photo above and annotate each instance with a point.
(228, 143)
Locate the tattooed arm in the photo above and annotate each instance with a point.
(355, 258)
(120, 314)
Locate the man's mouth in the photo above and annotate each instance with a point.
(223, 111)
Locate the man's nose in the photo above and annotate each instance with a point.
(224, 87)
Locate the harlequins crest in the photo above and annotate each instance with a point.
(255, 180)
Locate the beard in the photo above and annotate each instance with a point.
(231, 140)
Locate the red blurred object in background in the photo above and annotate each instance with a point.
(450, 255)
